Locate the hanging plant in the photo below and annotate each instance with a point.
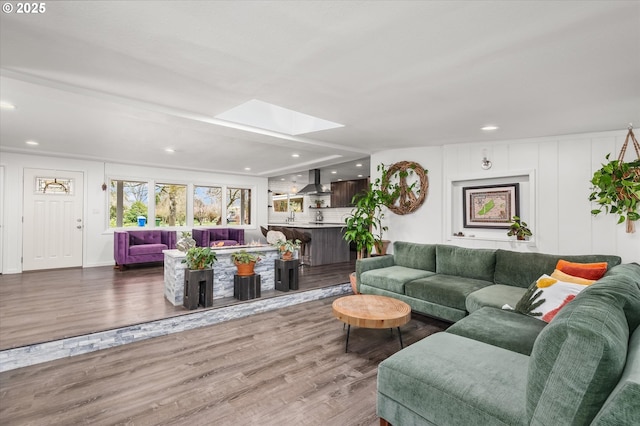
(616, 186)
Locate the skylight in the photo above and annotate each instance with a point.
(267, 116)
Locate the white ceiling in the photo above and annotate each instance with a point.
(122, 81)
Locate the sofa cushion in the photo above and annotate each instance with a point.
(413, 255)
(392, 278)
(505, 329)
(521, 269)
(561, 276)
(147, 249)
(465, 262)
(547, 296)
(217, 234)
(622, 288)
(144, 237)
(590, 271)
(578, 358)
(444, 290)
(622, 407)
(495, 296)
(453, 380)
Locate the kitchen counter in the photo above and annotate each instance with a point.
(311, 225)
(327, 244)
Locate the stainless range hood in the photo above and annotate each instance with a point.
(315, 187)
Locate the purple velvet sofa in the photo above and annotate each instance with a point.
(214, 236)
(141, 246)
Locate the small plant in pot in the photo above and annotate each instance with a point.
(519, 229)
(198, 278)
(245, 261)
(319, 203)
(287, 247)
(199, 258)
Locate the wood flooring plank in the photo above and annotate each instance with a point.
(41, 306)
(277, 368)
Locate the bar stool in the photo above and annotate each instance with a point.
(305, 238)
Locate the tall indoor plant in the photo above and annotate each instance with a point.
(363, 226)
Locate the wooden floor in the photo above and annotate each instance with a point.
(40, 306)
(284, 367)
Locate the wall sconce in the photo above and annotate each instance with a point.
(486, 164)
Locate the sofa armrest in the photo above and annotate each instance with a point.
(369, 263)
(169, 239)
(120, 247)
(201, 236)
(237, 235)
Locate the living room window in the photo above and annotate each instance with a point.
(207, 205)
(238, 206)
(171, 204)
(176, 205)
(128, 200)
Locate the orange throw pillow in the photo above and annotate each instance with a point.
(589, 271)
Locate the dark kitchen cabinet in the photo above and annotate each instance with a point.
(342, 192)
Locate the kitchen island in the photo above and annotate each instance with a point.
(327, 244)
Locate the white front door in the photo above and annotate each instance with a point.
(53, 223)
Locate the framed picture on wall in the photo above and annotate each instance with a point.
(490, 206)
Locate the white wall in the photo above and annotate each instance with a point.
(561, 167)
(98, 239)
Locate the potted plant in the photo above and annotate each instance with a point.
(198, 277)
(287, 247)
(200, 258)
(519, 229)
(616, 188)
(319, 203)
(245, 261)
(364, 225)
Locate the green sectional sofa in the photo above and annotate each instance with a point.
(448, 282)
(499, 367)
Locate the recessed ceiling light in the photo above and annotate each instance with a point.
(281, 178)
(7, 105)
(333, 172)
(359, 165)
(169, 150)
(488, 128)
(359, 175)
(340, 180)
(295, 155)
(34, 143)
(299, 175)
(247, 168)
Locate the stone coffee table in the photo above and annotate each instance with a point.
(371, 311)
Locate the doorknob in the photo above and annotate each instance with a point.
(79, 226)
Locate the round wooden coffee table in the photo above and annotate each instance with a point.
(371, 311)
